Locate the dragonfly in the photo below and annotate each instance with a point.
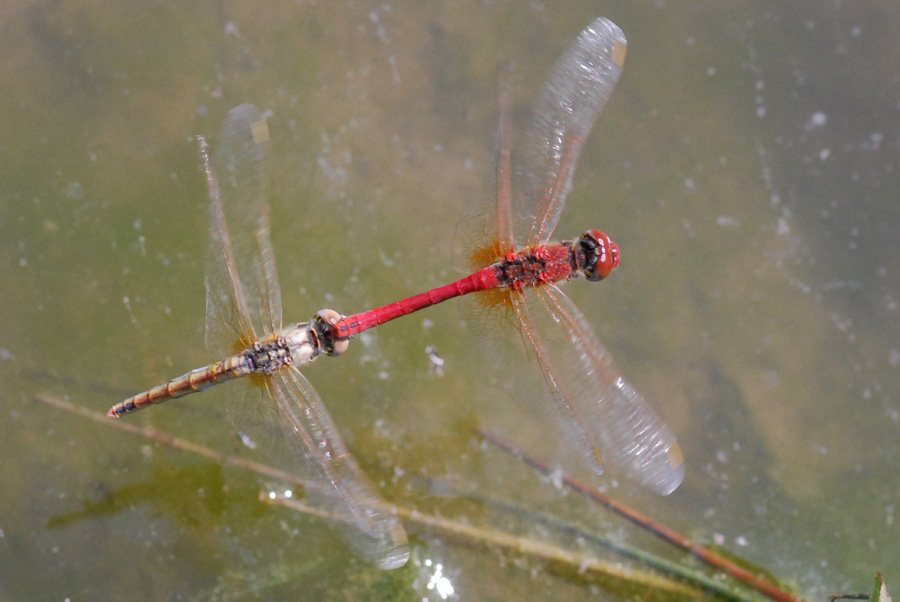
(243, 301)
(605, 415)
(520, 269)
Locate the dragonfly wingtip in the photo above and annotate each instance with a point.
(597, 463)
(675, 455)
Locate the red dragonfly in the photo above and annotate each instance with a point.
(608, 418)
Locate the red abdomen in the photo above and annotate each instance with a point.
(531, 267)
(481, 280)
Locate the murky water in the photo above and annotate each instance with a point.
(746, 166)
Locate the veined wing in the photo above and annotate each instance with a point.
(504, 243)
(572, 98)
(369, 523)
(610, 420)
(243, 300)
(293, 430)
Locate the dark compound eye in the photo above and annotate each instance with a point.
(329, 318)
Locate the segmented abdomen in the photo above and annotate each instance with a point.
(194, 381)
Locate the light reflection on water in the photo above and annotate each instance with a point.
(746, 166)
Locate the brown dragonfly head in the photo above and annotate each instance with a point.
(323, 323)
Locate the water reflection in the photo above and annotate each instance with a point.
(438, 584)
(747, 168)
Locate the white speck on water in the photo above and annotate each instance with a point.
(74, 191)
(438, 582)
(726, 221)
(782, 228)
(816, 120)
(894, 358)
(875, 141)
(246, 440)
(556, 478)
(437, 362)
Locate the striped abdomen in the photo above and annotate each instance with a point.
(192, 382)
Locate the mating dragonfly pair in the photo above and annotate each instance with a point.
(604, 415)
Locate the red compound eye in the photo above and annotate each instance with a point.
(601, 255)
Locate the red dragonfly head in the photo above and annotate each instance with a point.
(601, 255)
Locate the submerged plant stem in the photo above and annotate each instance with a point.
(748, 578)
(583, 563)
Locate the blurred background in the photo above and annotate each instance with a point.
(746, 166)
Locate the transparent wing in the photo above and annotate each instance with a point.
(484, 237)
(572, 98)
(505, 243)
(292, 430)
(370, 525)
(243, 300)
(603, 414)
